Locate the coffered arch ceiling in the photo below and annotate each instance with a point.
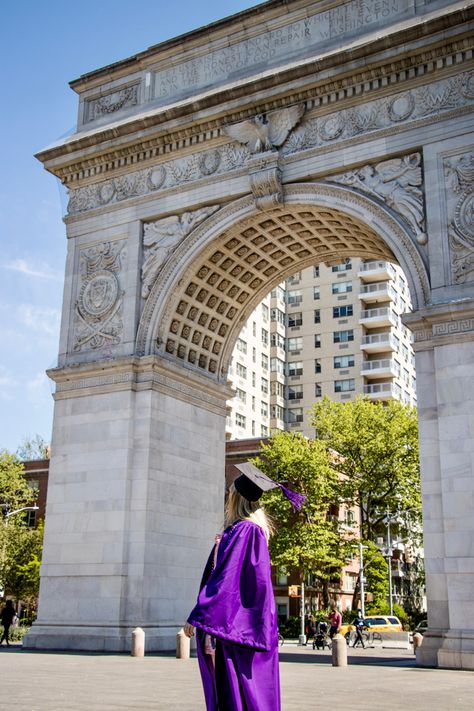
(225, 267)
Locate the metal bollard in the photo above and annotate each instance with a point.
(339, 651)
(417, 641)
(183, 645)
(138, 642)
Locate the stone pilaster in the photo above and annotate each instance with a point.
(135, 498)
(444, 345)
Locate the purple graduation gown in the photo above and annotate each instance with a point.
(236, 606)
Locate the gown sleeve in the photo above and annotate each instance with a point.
(236, 603)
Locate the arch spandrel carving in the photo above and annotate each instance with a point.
(223, 268)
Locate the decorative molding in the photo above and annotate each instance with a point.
(110, 103)
(449, 327)
(459, 195)
(441, 324)
(427, 101)
(161, 177)
(162, 236)
(398, 183)
(265, 180)
(98, 309)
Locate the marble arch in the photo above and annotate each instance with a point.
(203, 170)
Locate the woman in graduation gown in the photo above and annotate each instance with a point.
(235, 616)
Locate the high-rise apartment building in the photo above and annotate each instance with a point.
(328, 330)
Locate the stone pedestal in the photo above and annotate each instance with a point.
(135, 498)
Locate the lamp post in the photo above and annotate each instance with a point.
(362, 579)
(24, 508)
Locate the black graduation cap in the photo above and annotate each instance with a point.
(252, 483)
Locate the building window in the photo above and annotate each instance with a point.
(264, 386)
(317, 340)
(294, 297)
(277, 365)
(254, 355)
(240, 420)
(294, 279)
(316, 272)
(295, 368)
(264, 431)
(295, 319)
(253, 403)
(317, 365)
(294, 344)
(341, 287)
(295, 393)
(343, 336)
(349, 518)
(344, 361)
(341, 311)
(254, 379)
(277, 388)
(264, 336)
(277, 340)
(344, 386)
(241, 345)
(317, 390)
(254, 328)
(317, 316)
(241, 370)
(295, 414)
(264, 361)
(265, 312)
(342, 267)
(253, 428)
(278, 293)
(278, 413)
(264, 409)
(316, 293)
(278, 316)
(241, 395)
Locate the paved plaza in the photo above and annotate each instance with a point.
(375, 680)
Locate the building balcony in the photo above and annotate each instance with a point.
(382, 391)
(277, 424)
(378, 343)
(376, 271)
(380, 368)
(376, 318)
(277, 352)
(377, 292)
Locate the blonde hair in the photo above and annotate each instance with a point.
(239, 509)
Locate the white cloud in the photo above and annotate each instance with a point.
(40, 320)
(41, 272)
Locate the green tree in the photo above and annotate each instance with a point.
(309, 541)
(20, 556)
(34, 448)
(377, 457)
(14, 489)
(376, 574)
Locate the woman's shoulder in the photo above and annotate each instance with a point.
(245, 526)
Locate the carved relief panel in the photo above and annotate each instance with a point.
(98, 317)
(459, 180)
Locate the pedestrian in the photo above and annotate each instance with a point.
(335, 618)
(6, 616)
(359, 626)
(235, 617)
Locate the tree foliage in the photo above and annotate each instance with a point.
(34, 448)
(14, 489)
(308, 541)
(20, 556)
(377, 456)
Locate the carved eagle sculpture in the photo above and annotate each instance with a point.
(266, 132)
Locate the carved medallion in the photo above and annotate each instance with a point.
(99, 294)
(209, 162)
(464, 219)
(459, 177)
(401, 107)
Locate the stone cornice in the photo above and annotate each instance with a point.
(133, 373)
(157, 139)
(441, 324)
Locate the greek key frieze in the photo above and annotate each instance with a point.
(459, 181)
(398, 183)
(98, 308)
(450, 327)
(161, 237)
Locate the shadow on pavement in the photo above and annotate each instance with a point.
(326, 659)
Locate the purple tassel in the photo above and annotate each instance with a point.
(295, 499)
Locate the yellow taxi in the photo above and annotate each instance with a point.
(378, 623)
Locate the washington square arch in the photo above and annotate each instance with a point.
(204, 171)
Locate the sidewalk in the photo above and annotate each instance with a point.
(375, 680)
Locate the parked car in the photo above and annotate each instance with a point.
(378, 623)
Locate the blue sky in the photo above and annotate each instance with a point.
(44, 46)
